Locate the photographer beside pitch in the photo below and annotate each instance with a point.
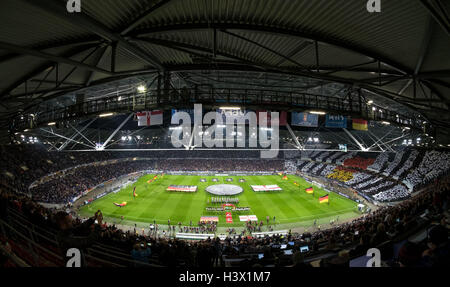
(73, 240)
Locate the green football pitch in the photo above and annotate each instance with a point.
(291, 207)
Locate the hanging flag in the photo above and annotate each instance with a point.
(323, 199)
(309, 190)
(360, 125)
(282, 117)
(150, 118)
(121, 204)
(134, 192)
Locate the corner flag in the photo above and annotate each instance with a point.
(323, 199)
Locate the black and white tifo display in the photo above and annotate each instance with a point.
(224, 189)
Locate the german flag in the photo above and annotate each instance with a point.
(285, 177)
(360, 125)
(309, 190)
(295, 183)
(323, 199)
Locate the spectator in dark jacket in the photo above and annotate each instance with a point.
(80, 237)
(437, 255)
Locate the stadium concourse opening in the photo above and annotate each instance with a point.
(239, 133)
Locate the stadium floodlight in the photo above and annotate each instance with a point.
(407, 128)
(229, 108)
(141, 89)
(374, 109)
(370, 102)
(129, 138)
(310, 139)
(120, 98)
(266, 129)
(316, 140)
(124, 138)
(106, 115)
(175, 128)
(52, 124)
(386, 123)
(27, 130)
(317, 113)
(221, 126)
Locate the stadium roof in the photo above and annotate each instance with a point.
(401, 54)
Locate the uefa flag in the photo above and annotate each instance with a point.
(360, 125)
(323, 199)
(309, 190)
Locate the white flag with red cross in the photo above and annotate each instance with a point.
(150, 118)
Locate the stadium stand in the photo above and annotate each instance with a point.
(380, 174)
(31, 228)
(111, 121)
